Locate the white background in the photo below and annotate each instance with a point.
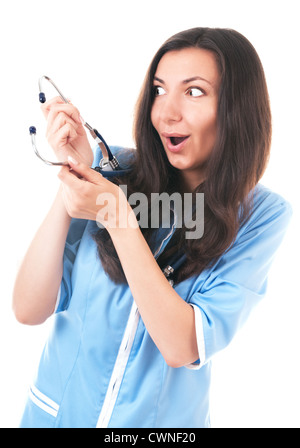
(98, 53)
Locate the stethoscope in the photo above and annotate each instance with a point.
(174, 265)
(108, 163)
(109, 166)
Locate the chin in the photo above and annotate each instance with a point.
(179, 162)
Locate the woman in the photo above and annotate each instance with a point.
(128, 348)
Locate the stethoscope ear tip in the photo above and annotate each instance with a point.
(42, 97)
(32, 130)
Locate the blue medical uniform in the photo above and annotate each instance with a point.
(100, 367)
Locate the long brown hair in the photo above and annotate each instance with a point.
(238, 160)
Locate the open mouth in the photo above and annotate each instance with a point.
(177, 140)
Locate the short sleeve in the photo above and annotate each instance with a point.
(238, 281)
(75, 233)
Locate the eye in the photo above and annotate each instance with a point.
(195, 92)
(158, 90)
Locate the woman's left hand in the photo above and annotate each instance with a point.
(88, 195)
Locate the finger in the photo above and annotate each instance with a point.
(65, 135)
(67, 109)
(69, 178)
(46, 107)
(58, 121)
(85, 171)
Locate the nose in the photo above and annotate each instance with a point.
(170, 110)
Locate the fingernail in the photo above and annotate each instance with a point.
(73, 161)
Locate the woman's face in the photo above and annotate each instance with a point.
(184, 112)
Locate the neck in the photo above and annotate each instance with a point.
(189, 181)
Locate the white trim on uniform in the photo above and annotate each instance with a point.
(200, 338)
(57, 299)
(43, 402)
(119, 368)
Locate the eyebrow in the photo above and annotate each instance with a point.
(185, 81)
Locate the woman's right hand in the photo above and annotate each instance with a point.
(65, 131)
